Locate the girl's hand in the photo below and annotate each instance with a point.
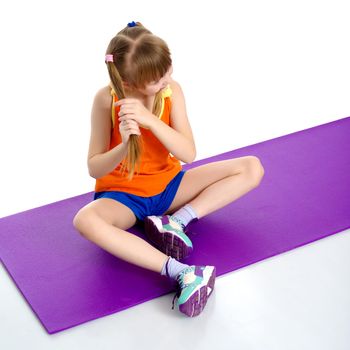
(127, 128)
(133, 109)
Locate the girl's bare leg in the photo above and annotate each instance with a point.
(222, 193)
(119, 242)
(212, 186)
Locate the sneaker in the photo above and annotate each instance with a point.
(168, 236)
(195, 285)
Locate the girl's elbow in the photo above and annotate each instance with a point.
(92, 174)
(192, 158)
(93, 169)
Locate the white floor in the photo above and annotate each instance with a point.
(296, 300)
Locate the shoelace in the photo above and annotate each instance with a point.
(174, 218)
(184, 229)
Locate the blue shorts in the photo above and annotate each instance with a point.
(146, 206)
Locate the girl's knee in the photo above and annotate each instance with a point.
(83, 219)
(255, 169)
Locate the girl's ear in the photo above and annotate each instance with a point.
(126, 84)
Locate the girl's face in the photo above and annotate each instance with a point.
(153, 87)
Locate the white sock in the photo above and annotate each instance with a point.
(185, 215)
(172, 268)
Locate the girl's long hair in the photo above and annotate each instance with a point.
(140, 57)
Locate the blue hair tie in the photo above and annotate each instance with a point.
(132, 24)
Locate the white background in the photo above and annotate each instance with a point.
(250, 71)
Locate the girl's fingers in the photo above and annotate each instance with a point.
(131, 126)
(125, 117)
(134, 132)
(129, 122)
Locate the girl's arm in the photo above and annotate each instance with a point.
(100, 160)
(102, 164)
(177, 139)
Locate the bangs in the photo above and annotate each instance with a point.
(148, 72)
(149, 63)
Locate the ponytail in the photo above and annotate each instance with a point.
(133, 156)
(151, 61)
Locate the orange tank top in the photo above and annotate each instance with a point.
(157, 168)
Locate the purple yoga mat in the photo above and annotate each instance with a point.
(304, 196)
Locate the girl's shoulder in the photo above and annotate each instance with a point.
(103, 97)
(174, 88)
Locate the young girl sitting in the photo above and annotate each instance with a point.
(139, 134)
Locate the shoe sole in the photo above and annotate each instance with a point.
(167, 242)
(197, 302)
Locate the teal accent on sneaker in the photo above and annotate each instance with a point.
(188, 289)
(179, 232)
(195, 285)
(168, 236)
